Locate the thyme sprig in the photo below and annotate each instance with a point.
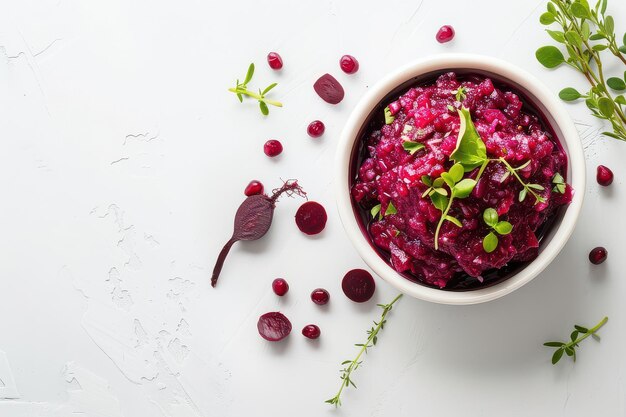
(579, 334)
(241, 89)
(352, 365)
(586, 32)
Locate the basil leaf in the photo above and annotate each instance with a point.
(490, 216)
(490, 242)
(463, 188)
(503, 228)
(470, 149)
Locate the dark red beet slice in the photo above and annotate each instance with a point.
(311, 218)
(329, 89)
(253, 219)
(273, 326)
(358, 285)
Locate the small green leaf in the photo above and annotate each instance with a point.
(456, 172)
(490, 216)
(581, 329)
(556, 35)
(569, 94)
(439, 201)
(599, 47)
(558, 179)
(620, 100)
(268, 88)
(249, 74)
(605, 105)
(450, 107)
(490, 242)
(375, 210)
(441, 191)
(560, 188)
(547, 18)
(585, 30)
(503, 228)
(574, 335)
(412, 147)
(264, 108)
(463, 188)
(391, 209)
(557, 356)
(240, 97)
(536, 187)
(389, 118)
(622, 49)
(574, 38)
(549, 56)
(551, 8)
(603, 7)
(448, 179)
(427, 181)
(438, 182)
(522, 194)
(470, 149)
(549, 344)
(596, 37)
(609, 25)
(579, 11)
(460, 94)
(454, 220)
(616, 83)
(569, 351)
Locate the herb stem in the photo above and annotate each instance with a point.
(514, 172)
(255, 95)
(442, 219)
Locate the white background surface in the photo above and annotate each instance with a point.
(124, 160)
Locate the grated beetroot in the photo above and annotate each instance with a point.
(273, 326)
(388, 173)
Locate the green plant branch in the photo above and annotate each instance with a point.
(441, 220)
(569, 348)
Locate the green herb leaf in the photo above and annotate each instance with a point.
(264, 108)
(609, 25)
(556, 35)
(558, 179)
(490, 216)
(460, 93)
(268, 88)
(375, 210)
(412, 147)
(389, 118)
(605, 105)
(454, 220)
(522, 194)
(536, 187)
(448, 179)
(249, 74)
(427, 181)
(456, 172)
(554, 344)
(616, 83)
(441, 191)
(569, 94)
(463, 188)
(439, 201)
(549, 56)
(390, 209)
(490, 242)
(470, 149)
(557, 355)
(547, 18)
(503, 228)
(620, 100)
(574, 38)
(438, 182)
(578, 10)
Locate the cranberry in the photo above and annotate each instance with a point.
(598, 255)
(349, 64)
(316, 129)
(320, 296)
(280, 287)
(272, 148)
(274, 60)
(445, 34)
(311, 218)
(311, 331)
(255, 187)
(604, 176)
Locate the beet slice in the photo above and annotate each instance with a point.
(329, 89)
(253, 219)
(273, 326)
(358, 285)
(311, 218)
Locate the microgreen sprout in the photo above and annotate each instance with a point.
(241, 89)
(497, 227)
(375, 211)
(389, 118)
(579, 334)
(559, 183)
(460, 93)
(412, 147)
(351, 365)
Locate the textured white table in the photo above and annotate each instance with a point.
(124, 159)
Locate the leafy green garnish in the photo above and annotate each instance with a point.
(241, 89)
(470, 150)
(585, 32)
(497, 227)
(351, 365)
(412, 147)
(391, 209)
(459, 93)
(375, 211)
(559, 183)
(579, 334)
(389, 118)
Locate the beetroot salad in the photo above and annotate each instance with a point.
(460, 180)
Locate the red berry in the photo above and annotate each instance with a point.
(254, 187)
(311, 218)
(274, 60)
(604, 176)
(445, 34)
(316, 129)
(349, 64)
(280, 287)
(329, 89)
(320, 296)
(273, 326)
(598, 255)
(311, 331)
(272, 148)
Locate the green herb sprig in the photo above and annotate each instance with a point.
(586, 32)
(389, 118)
(375, 211)
(497, 226)
(579, 334)
(241, 89)
(559, 183)
(352, 365)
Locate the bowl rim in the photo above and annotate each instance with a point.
(529, 84)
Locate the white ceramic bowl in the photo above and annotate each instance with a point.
(541, 98)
